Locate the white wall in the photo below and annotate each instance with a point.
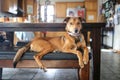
(107, 40)
(116, 45)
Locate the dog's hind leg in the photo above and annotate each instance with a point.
(20, 53)
(39, 56)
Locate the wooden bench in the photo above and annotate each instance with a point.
(7, 53)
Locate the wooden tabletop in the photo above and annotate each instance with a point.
(43, 26)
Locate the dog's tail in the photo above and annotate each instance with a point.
(20, 53)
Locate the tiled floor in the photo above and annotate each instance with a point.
(110, 70)
(110, 66)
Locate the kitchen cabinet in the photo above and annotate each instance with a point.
(74, 4)
(9, 6)
(30, 7)
(35, 8)
(60, 9)
(91, 16)
(5, 4)
(92, 5)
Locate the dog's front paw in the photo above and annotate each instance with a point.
(85, 59)
(81, 64)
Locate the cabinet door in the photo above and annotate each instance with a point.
(5, 5)
(61, 9)
(9, 6)
(91, 10)
(92, 5)
(91, 16)
(30, 6)
(74, 4)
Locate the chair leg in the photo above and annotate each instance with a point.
(83, 74)
(0, 73)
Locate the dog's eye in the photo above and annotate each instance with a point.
(71, 23)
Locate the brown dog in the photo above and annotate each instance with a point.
(68, 43)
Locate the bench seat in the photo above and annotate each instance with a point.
(50, 60)
(9, 53)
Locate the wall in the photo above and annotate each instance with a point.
(60, 20)
(107, 39)
(116, 45)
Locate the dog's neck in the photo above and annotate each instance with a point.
(76, 36)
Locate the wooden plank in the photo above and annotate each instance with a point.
(47, 63)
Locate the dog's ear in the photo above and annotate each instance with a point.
(82, 19)
(66, 19)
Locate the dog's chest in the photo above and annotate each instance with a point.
(78, 39)
(74, 43)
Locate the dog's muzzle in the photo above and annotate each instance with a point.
(74, 34)
(76, 31)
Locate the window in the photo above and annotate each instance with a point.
(49, 14)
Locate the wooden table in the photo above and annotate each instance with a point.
(95, 29)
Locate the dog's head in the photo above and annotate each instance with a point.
(73, 25)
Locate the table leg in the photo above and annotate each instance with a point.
(96, 44)
(84, 73)
(0, 73)
(10, 37)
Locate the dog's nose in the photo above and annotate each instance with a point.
(76, 30)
